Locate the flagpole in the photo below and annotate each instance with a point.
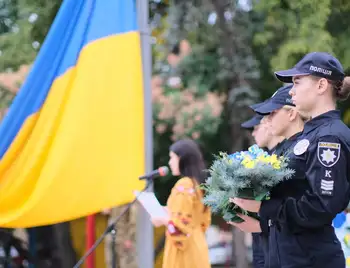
(144, 232)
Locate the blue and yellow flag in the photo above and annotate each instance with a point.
(72, 142)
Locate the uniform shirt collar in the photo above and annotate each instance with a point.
(295, 136)
(321, 119)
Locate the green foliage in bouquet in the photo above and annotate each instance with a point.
(249, 174)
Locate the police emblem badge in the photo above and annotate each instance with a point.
(301, 147)
(328, 153)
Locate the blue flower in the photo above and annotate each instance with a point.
(251, 155)
(236, 156)
(256, 150)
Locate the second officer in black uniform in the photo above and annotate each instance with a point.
(286, 121)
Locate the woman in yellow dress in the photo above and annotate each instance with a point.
(186, 246)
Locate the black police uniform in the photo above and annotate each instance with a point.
(263, 238)
(268, 234)
(261, 247)
(306, 204)
(303, 207)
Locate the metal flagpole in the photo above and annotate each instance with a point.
(144, 232)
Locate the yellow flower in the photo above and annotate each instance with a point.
(249, 164)
(246, 159)
(347, 261)
(263, 159)
(273, 159)
(276, 165)
(347, 239)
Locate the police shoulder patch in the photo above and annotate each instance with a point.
(328, 153)
(301, 147)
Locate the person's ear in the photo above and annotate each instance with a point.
(292, 114)
(322, 86)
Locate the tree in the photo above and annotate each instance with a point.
(290, 25)
(221, 61)
(24, 25)
(287, 31)
(46, 12)
(16, 47)
(8, 15)
(221, 58)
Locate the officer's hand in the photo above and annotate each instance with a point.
(250, 225)
(246, 204)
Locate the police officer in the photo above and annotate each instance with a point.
(264, 139)
(261, 132)
(270, 132)
(252, 123)
(283, 118)
(284, 121)
(320, 188)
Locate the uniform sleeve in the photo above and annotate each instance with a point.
(326, 172)
(181, 206)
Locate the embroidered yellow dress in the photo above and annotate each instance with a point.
(186, 246)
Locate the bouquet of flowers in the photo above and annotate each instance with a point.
(247, 174)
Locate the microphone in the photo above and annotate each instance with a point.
(160, 172)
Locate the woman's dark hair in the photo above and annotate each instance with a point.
(191, 162)
(176, 49)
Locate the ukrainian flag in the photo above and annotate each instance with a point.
(72, 142)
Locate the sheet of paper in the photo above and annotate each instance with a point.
(150, 203)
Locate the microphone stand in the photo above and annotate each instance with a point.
(111, 229)
(113, 247)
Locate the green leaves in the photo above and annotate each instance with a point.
(8, 15)
(229, 178)
(299, 27)
(16, 48)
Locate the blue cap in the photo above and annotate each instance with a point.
(279, 99)
(252, 122)
(319, 64)
(254, 106)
